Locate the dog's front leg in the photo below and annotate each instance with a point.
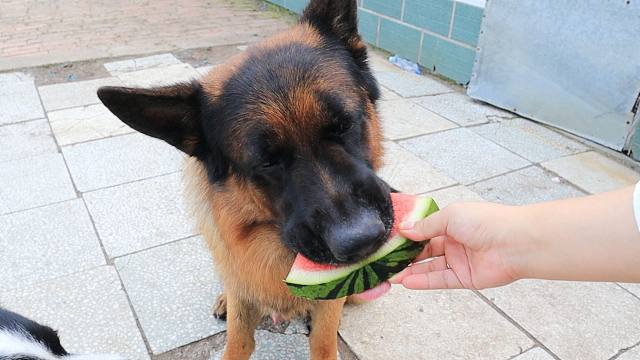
(242, 320)
(325, 320)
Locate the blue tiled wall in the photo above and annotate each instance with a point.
(467, 21)
(368, 26)
(399, 39)
(441, 35)
(448, 59)
(430, 15)
(391, 8)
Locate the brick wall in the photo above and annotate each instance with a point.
(440, 35)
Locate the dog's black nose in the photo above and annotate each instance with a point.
(356, 239)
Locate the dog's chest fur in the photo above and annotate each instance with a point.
(247, 250)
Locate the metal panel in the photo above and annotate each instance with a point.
(573, 64)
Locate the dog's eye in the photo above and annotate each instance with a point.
(342, 127)
(346, 126)
(269, 164)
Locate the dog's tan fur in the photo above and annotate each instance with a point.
(243, 237)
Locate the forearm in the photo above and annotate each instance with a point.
(592, 239)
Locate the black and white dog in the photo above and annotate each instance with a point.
(24, 339)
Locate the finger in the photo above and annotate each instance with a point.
(397, 278)
(437, 264)
(433, 226)
(434, 248)
(458, 259)
(445, 279)
(420, 268)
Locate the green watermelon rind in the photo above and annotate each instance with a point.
(365, 278)
(392, 258)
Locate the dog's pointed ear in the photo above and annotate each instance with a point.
(169, 113)
(338, 16)
(340, 19)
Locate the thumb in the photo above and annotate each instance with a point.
(433, 226)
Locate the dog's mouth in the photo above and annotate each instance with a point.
(345, 243)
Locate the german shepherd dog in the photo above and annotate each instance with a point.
(283, 143)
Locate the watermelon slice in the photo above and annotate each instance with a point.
(315, 281)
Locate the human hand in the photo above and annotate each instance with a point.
(473, 246)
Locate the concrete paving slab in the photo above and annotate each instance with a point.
(593, 172)
(386, 94)
(533, 142)
(89, 310)
(463, 155)
(33, 182)
(74, 94)
(410, 85)
(634, 288)
(632, 354)
(297, 327)
(140, 215)
(160, 76)
(408, 173)
(19, 100)
(273, 346)
(148, 62)
(204, 70)
(534, 354)
(199, 350)
(527, 186)
(574, 320)
(7, 78)
(85, 123)
(120, 159)
(404, 118)
(461, 109)
(174, 301)
(26, 139)
(380, 63)
(431, 324)
(446, 197)
(48, 242)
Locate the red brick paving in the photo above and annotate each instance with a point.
(39, 32)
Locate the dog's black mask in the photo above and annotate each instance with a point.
(295, 117)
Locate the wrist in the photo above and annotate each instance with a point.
(520, 244)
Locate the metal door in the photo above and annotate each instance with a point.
(573, 64)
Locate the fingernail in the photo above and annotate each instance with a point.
(407, 225)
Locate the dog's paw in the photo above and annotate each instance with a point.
(220, 307)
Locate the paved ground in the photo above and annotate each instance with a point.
(35, 33)
(94, 239)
